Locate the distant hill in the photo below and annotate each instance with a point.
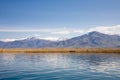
(90, 40)
(26, 43)
(93, 40)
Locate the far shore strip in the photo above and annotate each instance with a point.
(59, 50)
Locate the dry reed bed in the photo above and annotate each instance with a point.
(60, 50)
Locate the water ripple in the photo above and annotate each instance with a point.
(59, 67)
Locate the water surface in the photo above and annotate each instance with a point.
(59, 66)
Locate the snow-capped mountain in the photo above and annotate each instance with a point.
(92, 39)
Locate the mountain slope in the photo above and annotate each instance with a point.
(27, 43)
(94, 39)
(90, 40)
(2, 44)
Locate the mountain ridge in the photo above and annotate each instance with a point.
(90, 40)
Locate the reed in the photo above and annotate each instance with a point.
(60, 50)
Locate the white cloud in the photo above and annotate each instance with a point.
(8, 40)
(25, 30)
(61, 32)
(11, 39)
(51, 38)
(78, 31)
(36, 35)
(107, 29)
(68, 31)
(46, 38)
(115, 29)
(56, 33)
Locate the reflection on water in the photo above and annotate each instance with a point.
(59, 66)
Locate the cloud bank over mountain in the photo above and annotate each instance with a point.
(107, 29)
(56, 33)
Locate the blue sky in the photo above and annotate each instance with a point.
(57, 18)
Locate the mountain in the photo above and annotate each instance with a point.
(90, 40)
(93, 39)
(2, 44)
(27, 43)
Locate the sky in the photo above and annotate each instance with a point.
(57, 19)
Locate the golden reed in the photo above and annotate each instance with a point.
(59, 50)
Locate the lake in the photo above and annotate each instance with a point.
(53, 66)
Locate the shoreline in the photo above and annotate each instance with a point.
(59, 50)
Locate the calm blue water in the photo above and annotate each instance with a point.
(59, 66)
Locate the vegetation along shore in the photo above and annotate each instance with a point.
(60, 50)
